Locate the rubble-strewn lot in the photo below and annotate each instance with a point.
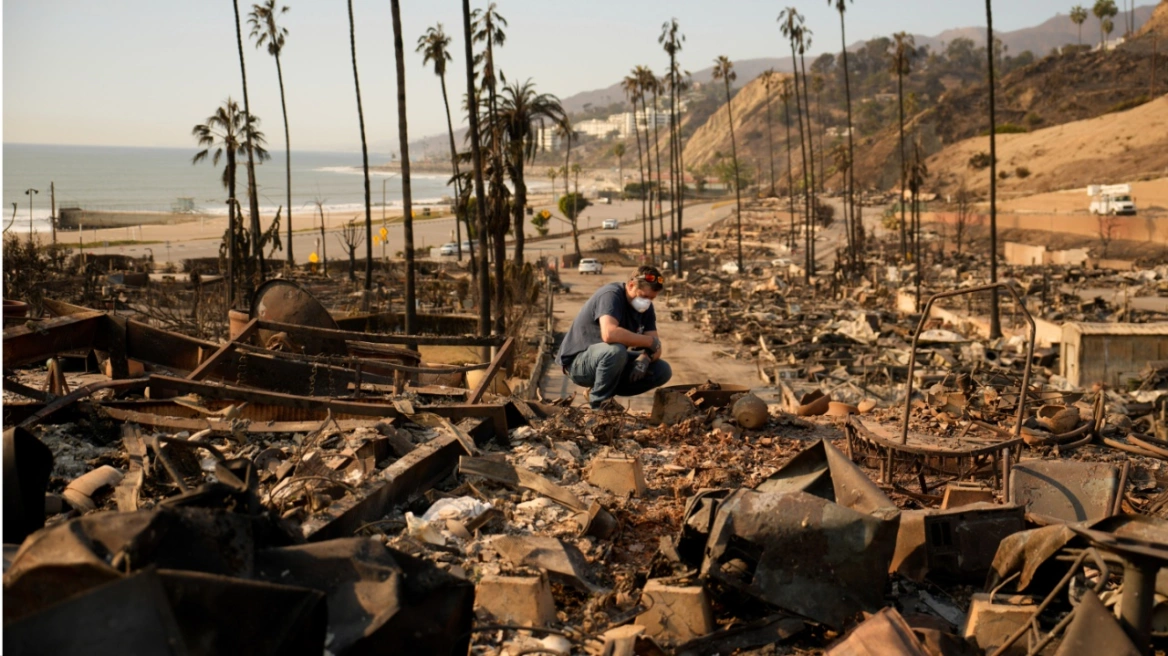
(304, 488)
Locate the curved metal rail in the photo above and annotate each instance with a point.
(917, 335)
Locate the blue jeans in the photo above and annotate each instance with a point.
(606, 368)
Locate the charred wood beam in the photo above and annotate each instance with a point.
(38, 341)
(380, 338)
(201, 371)
(501, 357)
(497, 414)
(405, 479)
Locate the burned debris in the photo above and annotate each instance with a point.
(317, 483)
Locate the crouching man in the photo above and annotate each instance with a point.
(612, 346)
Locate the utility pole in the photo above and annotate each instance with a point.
(30, 192)
(995, 316)
(53, 210)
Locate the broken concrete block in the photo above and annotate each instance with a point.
(675, 614)
(620, 476)
(992, 622)
(963, 494)
(671, 407)
(525, 600)
(622, 640)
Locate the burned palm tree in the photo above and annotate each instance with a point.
(724, 70)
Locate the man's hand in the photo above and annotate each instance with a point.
(655, 350)
(640, 369)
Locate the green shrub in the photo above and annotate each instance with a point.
(979, 161)
(1128, 104)
(1022, 172)
(1032, 119)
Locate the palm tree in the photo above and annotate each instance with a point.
(1078, 17)
(224, 135)
(435, 47)
(770, 80)
(817, 84)
(1108, 26)
(520, 109)
(403, 136)
(645, 81)
(477, 159)
(671, 40)
(252, 196)
(1104, 10)
(785, 96)
(364, 155)
(618, 151)
(488, 29)
(631, 86)
(918, 171)
(791, 26)
(850, 182)
(652, 84)
(902, 50)
(724, 70)
(265, 31)
(995, 317)
(553, 173)
(804, 38)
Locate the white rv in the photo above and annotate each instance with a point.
(1111, 199)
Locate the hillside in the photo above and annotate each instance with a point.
(1039, 39)
(1113, 148)
(1031, 98)
(711, 141)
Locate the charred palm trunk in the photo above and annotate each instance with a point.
(403, 135)
(477, 157)
(364, 157)
(903, 160)
(658, 186)
(855, 221)
(803, 155)
(814, 206)
(253, 198)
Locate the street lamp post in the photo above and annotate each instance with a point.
(30, 192)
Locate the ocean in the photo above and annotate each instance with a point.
(122, 178)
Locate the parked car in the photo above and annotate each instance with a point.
(589, 265)
(449, 248)
(610, 224)
(466, 246)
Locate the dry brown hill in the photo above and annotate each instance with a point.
(1113, 148)
(1055, 90)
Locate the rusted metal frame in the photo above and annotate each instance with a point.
(17, 387)
(1104, 575)
(39, 341)
(370, 363)
(408, 477)
(205, 368)
(357, 347)
(381, 338)
(224, 426)
(497, 414)
(496, 362)
(912, 360)
(863, 445)
(292, 374)
(81, 393)
(156, 443)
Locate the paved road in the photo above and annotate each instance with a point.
(202, 239)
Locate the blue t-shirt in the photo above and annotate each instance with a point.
(610, 300)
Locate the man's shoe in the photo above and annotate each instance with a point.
(609, 406)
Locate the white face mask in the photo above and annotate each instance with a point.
(642, 304)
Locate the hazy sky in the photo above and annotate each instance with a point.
(143, 72)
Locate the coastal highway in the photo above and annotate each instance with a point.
(202, 239)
